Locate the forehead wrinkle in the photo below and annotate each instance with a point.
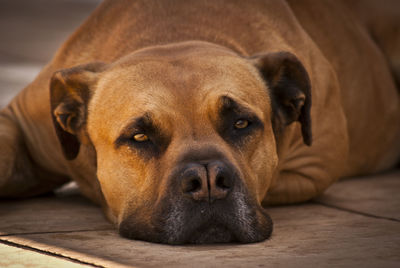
(124, 95)
(241, 83)
(225, 75)
(188, 85)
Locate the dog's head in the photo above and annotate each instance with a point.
(185, 136)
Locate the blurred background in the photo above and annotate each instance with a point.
(30, 33)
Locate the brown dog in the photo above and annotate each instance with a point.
(182, 118)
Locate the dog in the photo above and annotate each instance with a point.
(184, 119)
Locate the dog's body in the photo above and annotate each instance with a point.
(355, 110)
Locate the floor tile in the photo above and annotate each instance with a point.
(13, 257)
(50, 214)
(377, 195)
(308, 235)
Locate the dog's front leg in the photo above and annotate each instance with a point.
(19, 175)
(293, 186)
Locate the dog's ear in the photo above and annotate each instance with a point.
(290, 91)
(70, 92)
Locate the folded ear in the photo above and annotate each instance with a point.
(290, 91)
(70, 92)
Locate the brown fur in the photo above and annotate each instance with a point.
(173, 62)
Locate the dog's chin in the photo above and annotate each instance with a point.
(193, 232)
(207, 234)
(211, 235)
(214, 234)
(179, 222)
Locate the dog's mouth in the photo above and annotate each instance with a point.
(201, 224)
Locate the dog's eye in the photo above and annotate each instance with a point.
(140, 137)
(241, 123)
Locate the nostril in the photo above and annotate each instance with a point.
(223, 182)
(192, 185)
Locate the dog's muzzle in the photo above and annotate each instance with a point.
(205, 202)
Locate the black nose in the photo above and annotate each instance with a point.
(207, 182)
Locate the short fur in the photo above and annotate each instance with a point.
(239, 103)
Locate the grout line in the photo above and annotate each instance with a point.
(356, 212)
(48, 253)
(55, 232)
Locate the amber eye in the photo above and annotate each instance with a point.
(140, 137)
(241, 123)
